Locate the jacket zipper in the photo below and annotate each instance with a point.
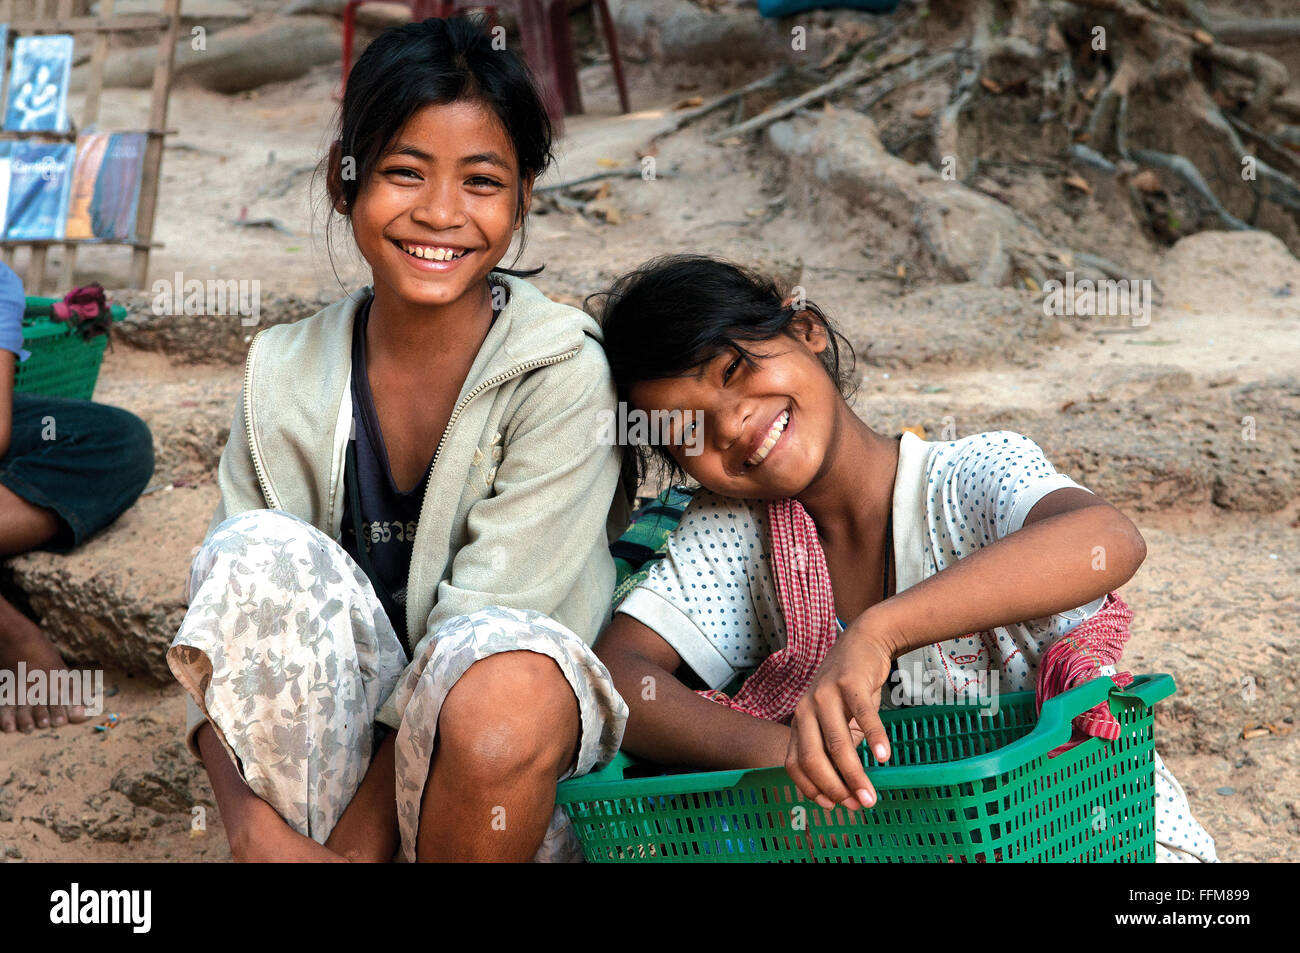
(478, 389)
(262, 481)
(265, 486)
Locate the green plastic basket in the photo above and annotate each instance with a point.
(61, 363)
(961, 787)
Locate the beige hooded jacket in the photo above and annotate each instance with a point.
(521, 503)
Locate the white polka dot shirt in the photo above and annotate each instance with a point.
(714, 600)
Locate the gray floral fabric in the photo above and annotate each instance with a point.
(288, 652)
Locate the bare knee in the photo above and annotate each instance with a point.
(510, 714)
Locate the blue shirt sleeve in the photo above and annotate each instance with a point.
(12, 304)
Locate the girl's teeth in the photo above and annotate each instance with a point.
(773, 436)
(430, 253)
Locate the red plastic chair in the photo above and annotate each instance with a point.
(547, 42)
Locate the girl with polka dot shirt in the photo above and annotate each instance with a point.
(925, 542)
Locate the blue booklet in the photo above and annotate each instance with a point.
(40, 177)
(38, 86)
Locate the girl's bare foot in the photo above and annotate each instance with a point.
(21, 642)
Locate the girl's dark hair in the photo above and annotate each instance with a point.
(677, 312)
(436, 62)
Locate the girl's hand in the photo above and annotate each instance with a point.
(840, 709)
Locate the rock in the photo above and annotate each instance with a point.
(967, 323)
(334, 8)
(240, 58)
(1167, 450)
(949, 231)
(188, 440)
(6, 805)
(166, 789)
(680, 31)
(114, 818)
(1259, 462)
(119, 599)
(204, 338)
(1155, 451)
(66, 828)
(329, 8)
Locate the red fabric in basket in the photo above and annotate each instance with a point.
(1093, 643)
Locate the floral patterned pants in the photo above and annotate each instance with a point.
(287, 650)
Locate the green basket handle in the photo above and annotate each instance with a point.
(1053, 729)
(1145, 689)
(614, 770)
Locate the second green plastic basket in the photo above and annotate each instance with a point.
(960, 787)
(61, 363)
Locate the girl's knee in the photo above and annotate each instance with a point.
(510, 712)
(254, 526)
(282, 572)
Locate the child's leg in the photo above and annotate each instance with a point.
(507, 730)
(84, 461)
(24, 526)
(255, 831)
(497, 708)
(288, 653)
(71, 467)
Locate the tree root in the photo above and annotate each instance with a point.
(688, 116)
(1277, 149)
(911, 73)
(852, 76)
(1185, 170)
(1252, 30)
(1284, 190)
(1093, 158)
(1269, 75)
(631, 172)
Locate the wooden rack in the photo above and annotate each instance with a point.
(72, 16)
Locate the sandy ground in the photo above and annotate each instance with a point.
(1216, 600)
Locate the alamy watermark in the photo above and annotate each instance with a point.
(1127, 297)
(215, 296)
(633, 427)
(84, 688)
(914, 684)
(78, 906)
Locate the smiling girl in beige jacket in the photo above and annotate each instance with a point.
(412, 540)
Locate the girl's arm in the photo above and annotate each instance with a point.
(7, 362)
(12, 300)
(366, 833)
(670, 724)
(257, 834)
(1078, 548)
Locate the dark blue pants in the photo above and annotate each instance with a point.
(87, 462)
